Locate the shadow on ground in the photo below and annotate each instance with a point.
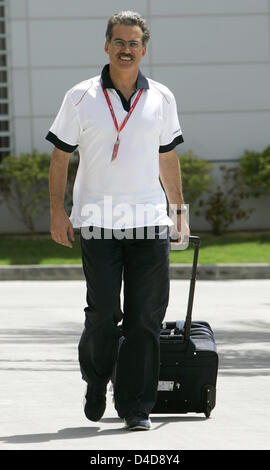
(93, 431)
(246, 349)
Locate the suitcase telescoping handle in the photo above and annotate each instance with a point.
(187, 326)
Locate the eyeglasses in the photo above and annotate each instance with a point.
(120, 43)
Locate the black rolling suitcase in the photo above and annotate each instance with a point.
(188, 361)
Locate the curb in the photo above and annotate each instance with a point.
(222, 271)
(74, 272)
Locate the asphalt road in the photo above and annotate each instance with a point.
(41, 389)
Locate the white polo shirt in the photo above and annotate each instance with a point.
(125, 192)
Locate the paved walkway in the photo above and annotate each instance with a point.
(41, 388)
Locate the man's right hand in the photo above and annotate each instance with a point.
(61, 228)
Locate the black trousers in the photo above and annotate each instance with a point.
(143, 265)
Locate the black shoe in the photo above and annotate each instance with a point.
(138, 422)
(95, 402)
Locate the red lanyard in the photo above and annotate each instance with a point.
(116, 145)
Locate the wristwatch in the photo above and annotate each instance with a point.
(183, 210)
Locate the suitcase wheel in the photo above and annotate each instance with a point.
(208, 411)
(208, 399)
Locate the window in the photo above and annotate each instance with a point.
(4, 91)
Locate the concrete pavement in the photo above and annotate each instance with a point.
(41, 388)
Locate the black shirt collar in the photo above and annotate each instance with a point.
(141, 82)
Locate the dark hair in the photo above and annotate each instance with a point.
(128, 18)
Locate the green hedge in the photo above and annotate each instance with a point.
(24, 185)
(25, 190)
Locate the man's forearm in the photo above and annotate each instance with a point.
(58, 179)
(170, 176)
(61, 227)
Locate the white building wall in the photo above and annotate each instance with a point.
(213, 54)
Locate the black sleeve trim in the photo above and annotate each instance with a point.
(166, 148)
(60, 144)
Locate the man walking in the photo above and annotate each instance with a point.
(126, 128)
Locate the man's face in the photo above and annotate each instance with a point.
(125, 48)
